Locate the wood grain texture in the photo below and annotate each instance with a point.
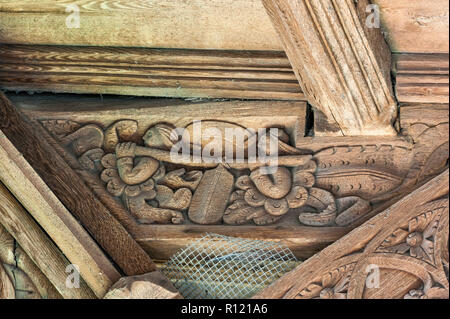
(342, 66)
(411, 25)
(38, 246)
(422, 78)
(7, 290)
(386, 243)
(195, 24)
(76, 244)
(418, 26)
(148, 72)
(73, 193)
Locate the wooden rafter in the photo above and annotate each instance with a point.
(73, 193)
(342, 66)
(38, 245)
(52, 216)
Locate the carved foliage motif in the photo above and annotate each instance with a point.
(417, 239)
(410, 261)
(333, 187)
(332, 285)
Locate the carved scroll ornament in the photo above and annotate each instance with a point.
(332, 187)
(400, 253)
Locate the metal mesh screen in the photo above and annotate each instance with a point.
(221, 267)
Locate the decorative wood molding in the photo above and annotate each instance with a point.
(422, 78)
(148, 72)
(418, 26)
(400, 253)
(342, 66)
(72, 192)
(38, 246)
(356, 177)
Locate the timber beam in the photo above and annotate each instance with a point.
(342, 65)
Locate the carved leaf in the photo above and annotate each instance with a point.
(211, 198)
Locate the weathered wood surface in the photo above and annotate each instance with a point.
(342, 65)
(148, 72)
(24, 269)
(400, 253)
(418, 26)
(427, 114)
(348, 166)
(411, 25)
(422, 78)
(73, 193)
(38, 246)
(75, 243)
(149, 286)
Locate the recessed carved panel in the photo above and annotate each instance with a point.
(332, 187)
(321, 189)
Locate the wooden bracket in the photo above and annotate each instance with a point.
(342, 65)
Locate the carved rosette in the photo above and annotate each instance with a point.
(418, 238)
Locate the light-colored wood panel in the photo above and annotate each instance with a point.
(419, 26)
(195, 24)
(411, 25)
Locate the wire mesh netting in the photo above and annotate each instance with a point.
(221, 267)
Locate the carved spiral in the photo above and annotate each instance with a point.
(276, 185)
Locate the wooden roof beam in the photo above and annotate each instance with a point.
(342, 65)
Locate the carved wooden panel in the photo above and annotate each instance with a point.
(401, 253)
(322, 189)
